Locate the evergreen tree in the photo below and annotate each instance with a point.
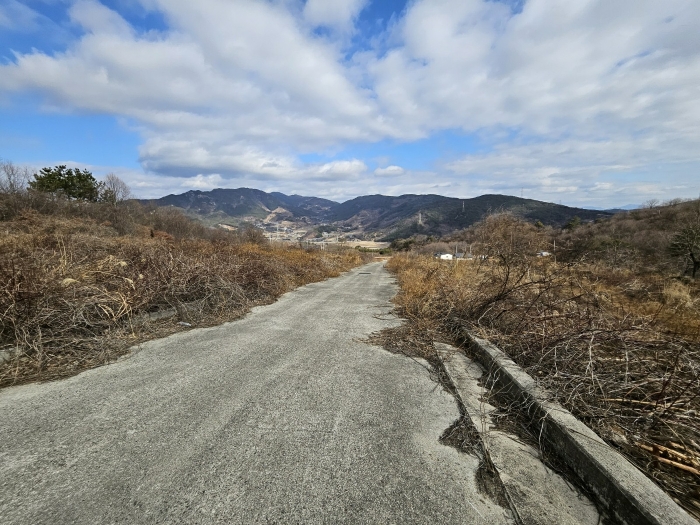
(72, 183)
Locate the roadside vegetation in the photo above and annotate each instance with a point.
(82, 267)
(608, 321)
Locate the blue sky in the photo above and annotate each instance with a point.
(586, 102)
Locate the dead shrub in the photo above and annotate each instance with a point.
(620, 349)
(72, 290)
(175, 223)
(676, 293)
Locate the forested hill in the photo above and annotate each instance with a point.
(393, 217)
(399, 216)
(247, 202)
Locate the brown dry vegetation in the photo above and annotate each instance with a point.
(608, 328)
(77, 278)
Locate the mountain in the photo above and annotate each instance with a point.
(315, 206)
(398, 217)
(385, 216)
(247, 202)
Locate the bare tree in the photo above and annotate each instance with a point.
(114, 189)
(673, 202)
(686, 243)
(509, 238)
(13, 178)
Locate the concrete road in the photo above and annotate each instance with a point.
(285, 416)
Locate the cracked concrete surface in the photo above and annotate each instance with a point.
(284, 416)
(539, 495)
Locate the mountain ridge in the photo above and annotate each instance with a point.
(390, 216)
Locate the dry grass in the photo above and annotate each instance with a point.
(619, 349)
(72, 290)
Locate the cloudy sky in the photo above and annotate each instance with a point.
(584, 102)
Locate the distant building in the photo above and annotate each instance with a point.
(544, 254)
(444, 256)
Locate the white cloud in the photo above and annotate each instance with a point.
(389, 171)
(15, 16)
(557, 67)
(217, 69)
(583, 172)
(98, 19)
(203, 182)
(565, 95)
(338, 14)
(343, 168)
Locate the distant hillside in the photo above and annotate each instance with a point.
(398, 216)
(247, 202)
(315, 206)
(639, 238)
(389, 217)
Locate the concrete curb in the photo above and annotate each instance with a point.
(624, 491)
(536, 494)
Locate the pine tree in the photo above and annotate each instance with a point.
(72, 183)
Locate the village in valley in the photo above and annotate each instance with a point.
(312, 235)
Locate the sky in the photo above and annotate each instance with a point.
(591, 103)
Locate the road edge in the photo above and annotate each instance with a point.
(623, 490)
